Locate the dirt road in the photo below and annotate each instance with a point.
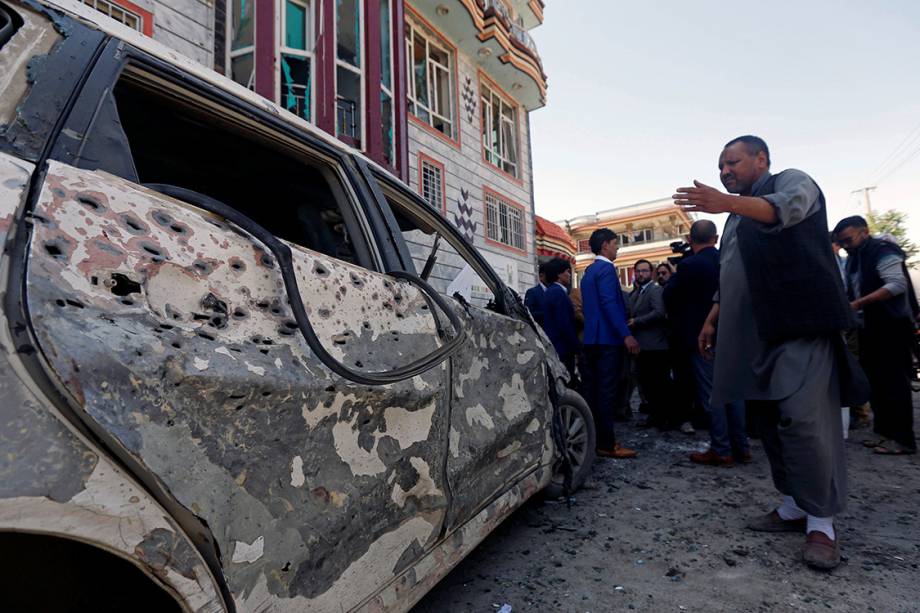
(661, 534)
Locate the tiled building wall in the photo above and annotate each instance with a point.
(467, 173)
(184, 25)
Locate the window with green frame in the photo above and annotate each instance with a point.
(296, 58)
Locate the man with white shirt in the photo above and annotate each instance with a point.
(605, 336)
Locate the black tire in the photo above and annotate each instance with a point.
(580, 440)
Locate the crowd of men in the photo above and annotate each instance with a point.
(801, 332)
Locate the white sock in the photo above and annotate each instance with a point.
(789, 510)
(821, 524)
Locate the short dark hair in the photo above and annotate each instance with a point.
(636, 265)
(599, 237)
(666, 265)
(554, 268)
(541, 269)
(753, 144)
(703, 231)
(854, 221)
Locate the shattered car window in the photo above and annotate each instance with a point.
(450, 273)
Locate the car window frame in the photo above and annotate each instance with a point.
(119, 57)
(423, 211)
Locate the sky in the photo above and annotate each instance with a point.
(643, 95)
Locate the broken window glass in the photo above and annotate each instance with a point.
(295, 85)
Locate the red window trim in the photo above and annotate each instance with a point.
(146, 16)
(485, 219)
(481, 76)
(455, 77)
(427, 158)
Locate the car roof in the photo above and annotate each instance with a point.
(102, 22)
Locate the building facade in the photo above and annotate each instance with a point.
(437, 92)
(646, 231)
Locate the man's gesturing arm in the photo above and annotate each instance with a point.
(704, 199)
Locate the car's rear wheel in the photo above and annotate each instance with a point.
(578, 440)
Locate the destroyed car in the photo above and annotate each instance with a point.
(231, 375)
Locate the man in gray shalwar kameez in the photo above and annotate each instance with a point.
(779, 312)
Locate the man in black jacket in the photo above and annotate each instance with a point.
(880, 291)
(780, 314)
(688, 298)
(533, 297)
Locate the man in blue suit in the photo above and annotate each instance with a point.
(558, 312)
(605, 336)
(533, 297)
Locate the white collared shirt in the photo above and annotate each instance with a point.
(602, 259)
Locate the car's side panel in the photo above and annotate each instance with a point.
(501, 413)
(409, 587)
(172, 330)
(52, 481)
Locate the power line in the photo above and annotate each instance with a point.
(906, 143)
(909, 157)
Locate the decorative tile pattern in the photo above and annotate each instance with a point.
(464, 219)
(469, 99)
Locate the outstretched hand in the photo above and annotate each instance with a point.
(703, 199)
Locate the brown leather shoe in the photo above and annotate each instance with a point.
(743, 458)
(711, 458)
(772, 522)
(820, 551)
(618, 452)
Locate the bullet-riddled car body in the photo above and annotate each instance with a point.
(231, 377)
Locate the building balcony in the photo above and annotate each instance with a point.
(529, 12)
(493, 34)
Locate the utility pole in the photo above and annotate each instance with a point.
(865, 191)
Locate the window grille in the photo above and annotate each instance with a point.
(432, 184)
(504, 222)
(118, 13)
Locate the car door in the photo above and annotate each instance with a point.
(500, 409)
(171, 329)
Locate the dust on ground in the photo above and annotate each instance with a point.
(661, 534)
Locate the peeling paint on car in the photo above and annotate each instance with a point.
(222, 439)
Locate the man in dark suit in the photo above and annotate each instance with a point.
(605, 336)
(648, 322)
(688, 299)
(559, 314)
(533, 297)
